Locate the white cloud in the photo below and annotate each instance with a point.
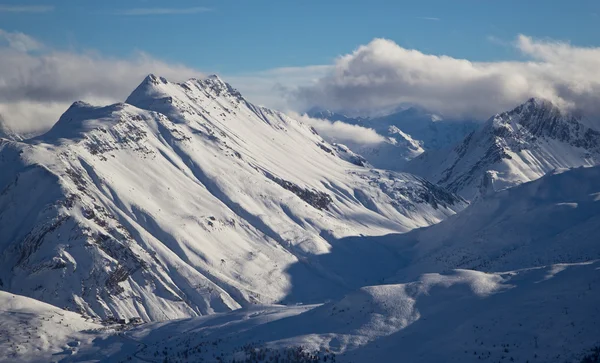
(271, 88)
(383, 74)
(25, 8)
(36, 88)
(164, 11)
(339, 131)
(19, 41)
(30, 117)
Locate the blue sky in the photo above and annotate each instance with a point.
(236, 36)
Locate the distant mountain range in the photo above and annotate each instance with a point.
(409, 133)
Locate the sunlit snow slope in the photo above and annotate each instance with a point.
(544, 314)
(188, 200)
(554, 219)
(32, 331)
(513, 278)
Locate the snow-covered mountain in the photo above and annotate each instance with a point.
(511, 148)
(409, 132)
(7, 133)
(188, 200)
(432, 131)
(552, 220)
(32, 331)
(515, 277)
(546, 314)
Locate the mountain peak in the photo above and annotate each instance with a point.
(154, 79)
(539, 104)
(214, 84)
(6, 132)
(214, 77)
(535, 113)
(517, 146)
(80, 118)
(158, 90)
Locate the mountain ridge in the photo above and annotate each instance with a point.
(513, 147)
(194, 205)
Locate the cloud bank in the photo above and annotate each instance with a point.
(339, 131)
(19, 41)
(383, 74)
(274, 88)
(35, 88)
(38, 83)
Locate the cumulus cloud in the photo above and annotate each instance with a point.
(383, 74)
(30, 118)
(339, 131)
(274, 87)
(19, 41)
(35, 88)
(38, 83)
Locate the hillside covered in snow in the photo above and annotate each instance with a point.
(515, 277)
(187, 224)
(538, 315)
(34, 331)
(511, 148)
(530, 295)
(188, 200)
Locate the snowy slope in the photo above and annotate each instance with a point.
(32, 331)
(515, 277)
(527, 289)
(433, 131)
(512, 148)
(391, 154)
(545, 314)
(555, 219)
(189, 200)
